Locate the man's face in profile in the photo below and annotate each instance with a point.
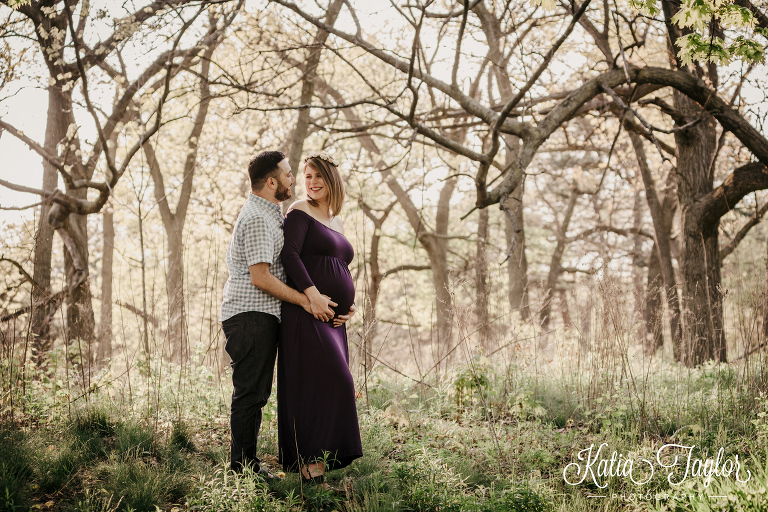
(284, 180)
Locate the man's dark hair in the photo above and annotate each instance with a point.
(262, 167)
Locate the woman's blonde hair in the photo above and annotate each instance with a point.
(330, 173)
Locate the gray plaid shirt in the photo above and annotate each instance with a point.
(257, 238)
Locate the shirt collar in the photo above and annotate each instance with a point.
(269, 205)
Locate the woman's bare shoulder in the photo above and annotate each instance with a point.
(337, 224)
(301, 204)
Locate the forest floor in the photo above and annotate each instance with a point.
(486, 438)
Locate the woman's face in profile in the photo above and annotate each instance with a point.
(314, 184)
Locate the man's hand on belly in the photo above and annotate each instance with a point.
(319, 305)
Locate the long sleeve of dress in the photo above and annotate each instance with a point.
(295, 229)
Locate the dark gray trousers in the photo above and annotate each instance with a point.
(252, 346)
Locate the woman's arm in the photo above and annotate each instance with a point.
(295, 229)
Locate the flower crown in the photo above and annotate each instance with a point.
(322, 156)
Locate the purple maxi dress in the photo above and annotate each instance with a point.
(316, 413)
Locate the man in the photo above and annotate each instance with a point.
(250, 310)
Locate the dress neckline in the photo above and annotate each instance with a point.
(316, 220)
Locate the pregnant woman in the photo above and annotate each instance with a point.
(317, 418)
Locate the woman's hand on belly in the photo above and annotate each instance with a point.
(342, 319)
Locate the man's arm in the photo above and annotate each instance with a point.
(262, 278)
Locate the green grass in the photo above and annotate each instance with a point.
(141, 485)
(496, 443)
(182, 437)
(135, 440)
(15, 469)
(223, 491)
(93, 422)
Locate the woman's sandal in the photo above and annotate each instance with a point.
(318, 480)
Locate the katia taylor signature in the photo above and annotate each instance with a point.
(597, 465)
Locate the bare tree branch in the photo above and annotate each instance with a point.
(728, 248)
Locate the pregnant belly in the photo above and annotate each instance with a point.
(332, 278)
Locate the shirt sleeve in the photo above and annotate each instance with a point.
(258, 242)
(295, 229)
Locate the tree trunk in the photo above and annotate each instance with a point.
(370, 321)
(104, 351)
(662, 226)
(80, 324)
(517, 266)
(174, 282)
(637, 270)
(555, 265)
(105, 320)
(42, 313)
(765, 299)
(585, 322)
(702, 299)
(700, 256)
(307, 93)
(144, 312)
(436, 246)
(173, 222)
(80, 320)
(481, 281)
(654, 306)
(565, 311)
(374, 285)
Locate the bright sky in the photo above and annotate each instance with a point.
(18, 164)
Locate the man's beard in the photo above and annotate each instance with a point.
(282, 193)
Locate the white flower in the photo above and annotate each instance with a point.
(322, 156)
